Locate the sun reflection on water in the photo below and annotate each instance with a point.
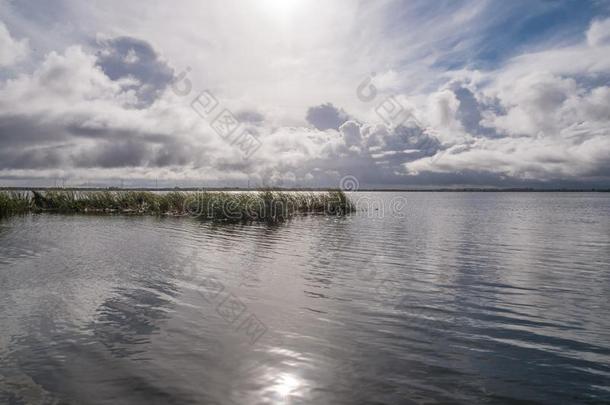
(285, 386)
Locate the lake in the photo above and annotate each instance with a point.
(419, 298)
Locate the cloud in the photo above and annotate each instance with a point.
(534, 105)
(599, 33)
(525, 159)
(469, 113)
(443, 108)
(90, 123)
(486, 109)
(541, 118)
(11, 49)
(351, 133)
(326, 116)
(250, 117)
(539, 125)
(135, 64)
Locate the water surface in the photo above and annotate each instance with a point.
(449, 298)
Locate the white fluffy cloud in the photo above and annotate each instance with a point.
(550, 116)
(442, 110)
(599, 33)
(11, 49)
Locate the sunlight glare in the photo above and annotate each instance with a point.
(286, 385)
(281, 9)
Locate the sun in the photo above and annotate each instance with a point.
(281, 9)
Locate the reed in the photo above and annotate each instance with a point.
(270, 206)
(266, 205)
(14, 204)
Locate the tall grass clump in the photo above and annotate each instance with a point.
(271, 206)
(14, 204)
(266, 205)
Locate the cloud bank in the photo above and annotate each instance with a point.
(96, 103)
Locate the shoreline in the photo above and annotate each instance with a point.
(314, 189)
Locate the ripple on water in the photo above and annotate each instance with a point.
(466, 297)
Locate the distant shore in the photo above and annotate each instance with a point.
(319, 189)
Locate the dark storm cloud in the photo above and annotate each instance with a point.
(81, 130)
(326, 116)
(35, 130)
(469, 113)
(131, 153)
(225, 165)
(21, 130)
(392, 146)
(375, 154)
(137, 153)
(412, 138)
(36, 158)
(127, 57)
(34, 143)
(45, 13)
(31, 143)
(172, 154)
(114, 155)
(250, 117)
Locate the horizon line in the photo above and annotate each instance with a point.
(232, 188)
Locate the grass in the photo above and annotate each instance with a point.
(15, 203)
(268, 206)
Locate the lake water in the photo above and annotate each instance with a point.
(436, 298)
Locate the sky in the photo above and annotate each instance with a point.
(305, 93)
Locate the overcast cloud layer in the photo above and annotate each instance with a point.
(396, 93)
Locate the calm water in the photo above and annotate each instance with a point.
(456, 298)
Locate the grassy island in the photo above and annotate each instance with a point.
(268, 206)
